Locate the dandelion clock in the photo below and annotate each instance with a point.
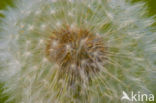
(77, 51)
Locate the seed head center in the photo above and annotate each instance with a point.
(76, 49)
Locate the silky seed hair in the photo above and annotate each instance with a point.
(76, 51)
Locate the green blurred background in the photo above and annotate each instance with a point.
(151, 4)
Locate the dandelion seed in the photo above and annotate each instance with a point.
(84, 62)
(43, 26)
(73, 66)
(52, 12)
(28, 42)
(54, 43)
(37, 12)
(89, 6)
(54, 0)
(72, 26)
(45, 60)
(31, 27)
(35, 67)
(71, 0)
(58, 23)
(27, 54)
(22, 25)
(41, 41)
(68, 47)
(70, 14)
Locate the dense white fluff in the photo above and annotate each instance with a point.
(28, 75)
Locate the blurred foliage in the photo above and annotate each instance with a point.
(4, 4)
(151, 5)
(2, 97)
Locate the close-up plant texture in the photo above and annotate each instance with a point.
(76, 51)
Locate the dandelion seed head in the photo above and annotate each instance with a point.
(75, 51)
